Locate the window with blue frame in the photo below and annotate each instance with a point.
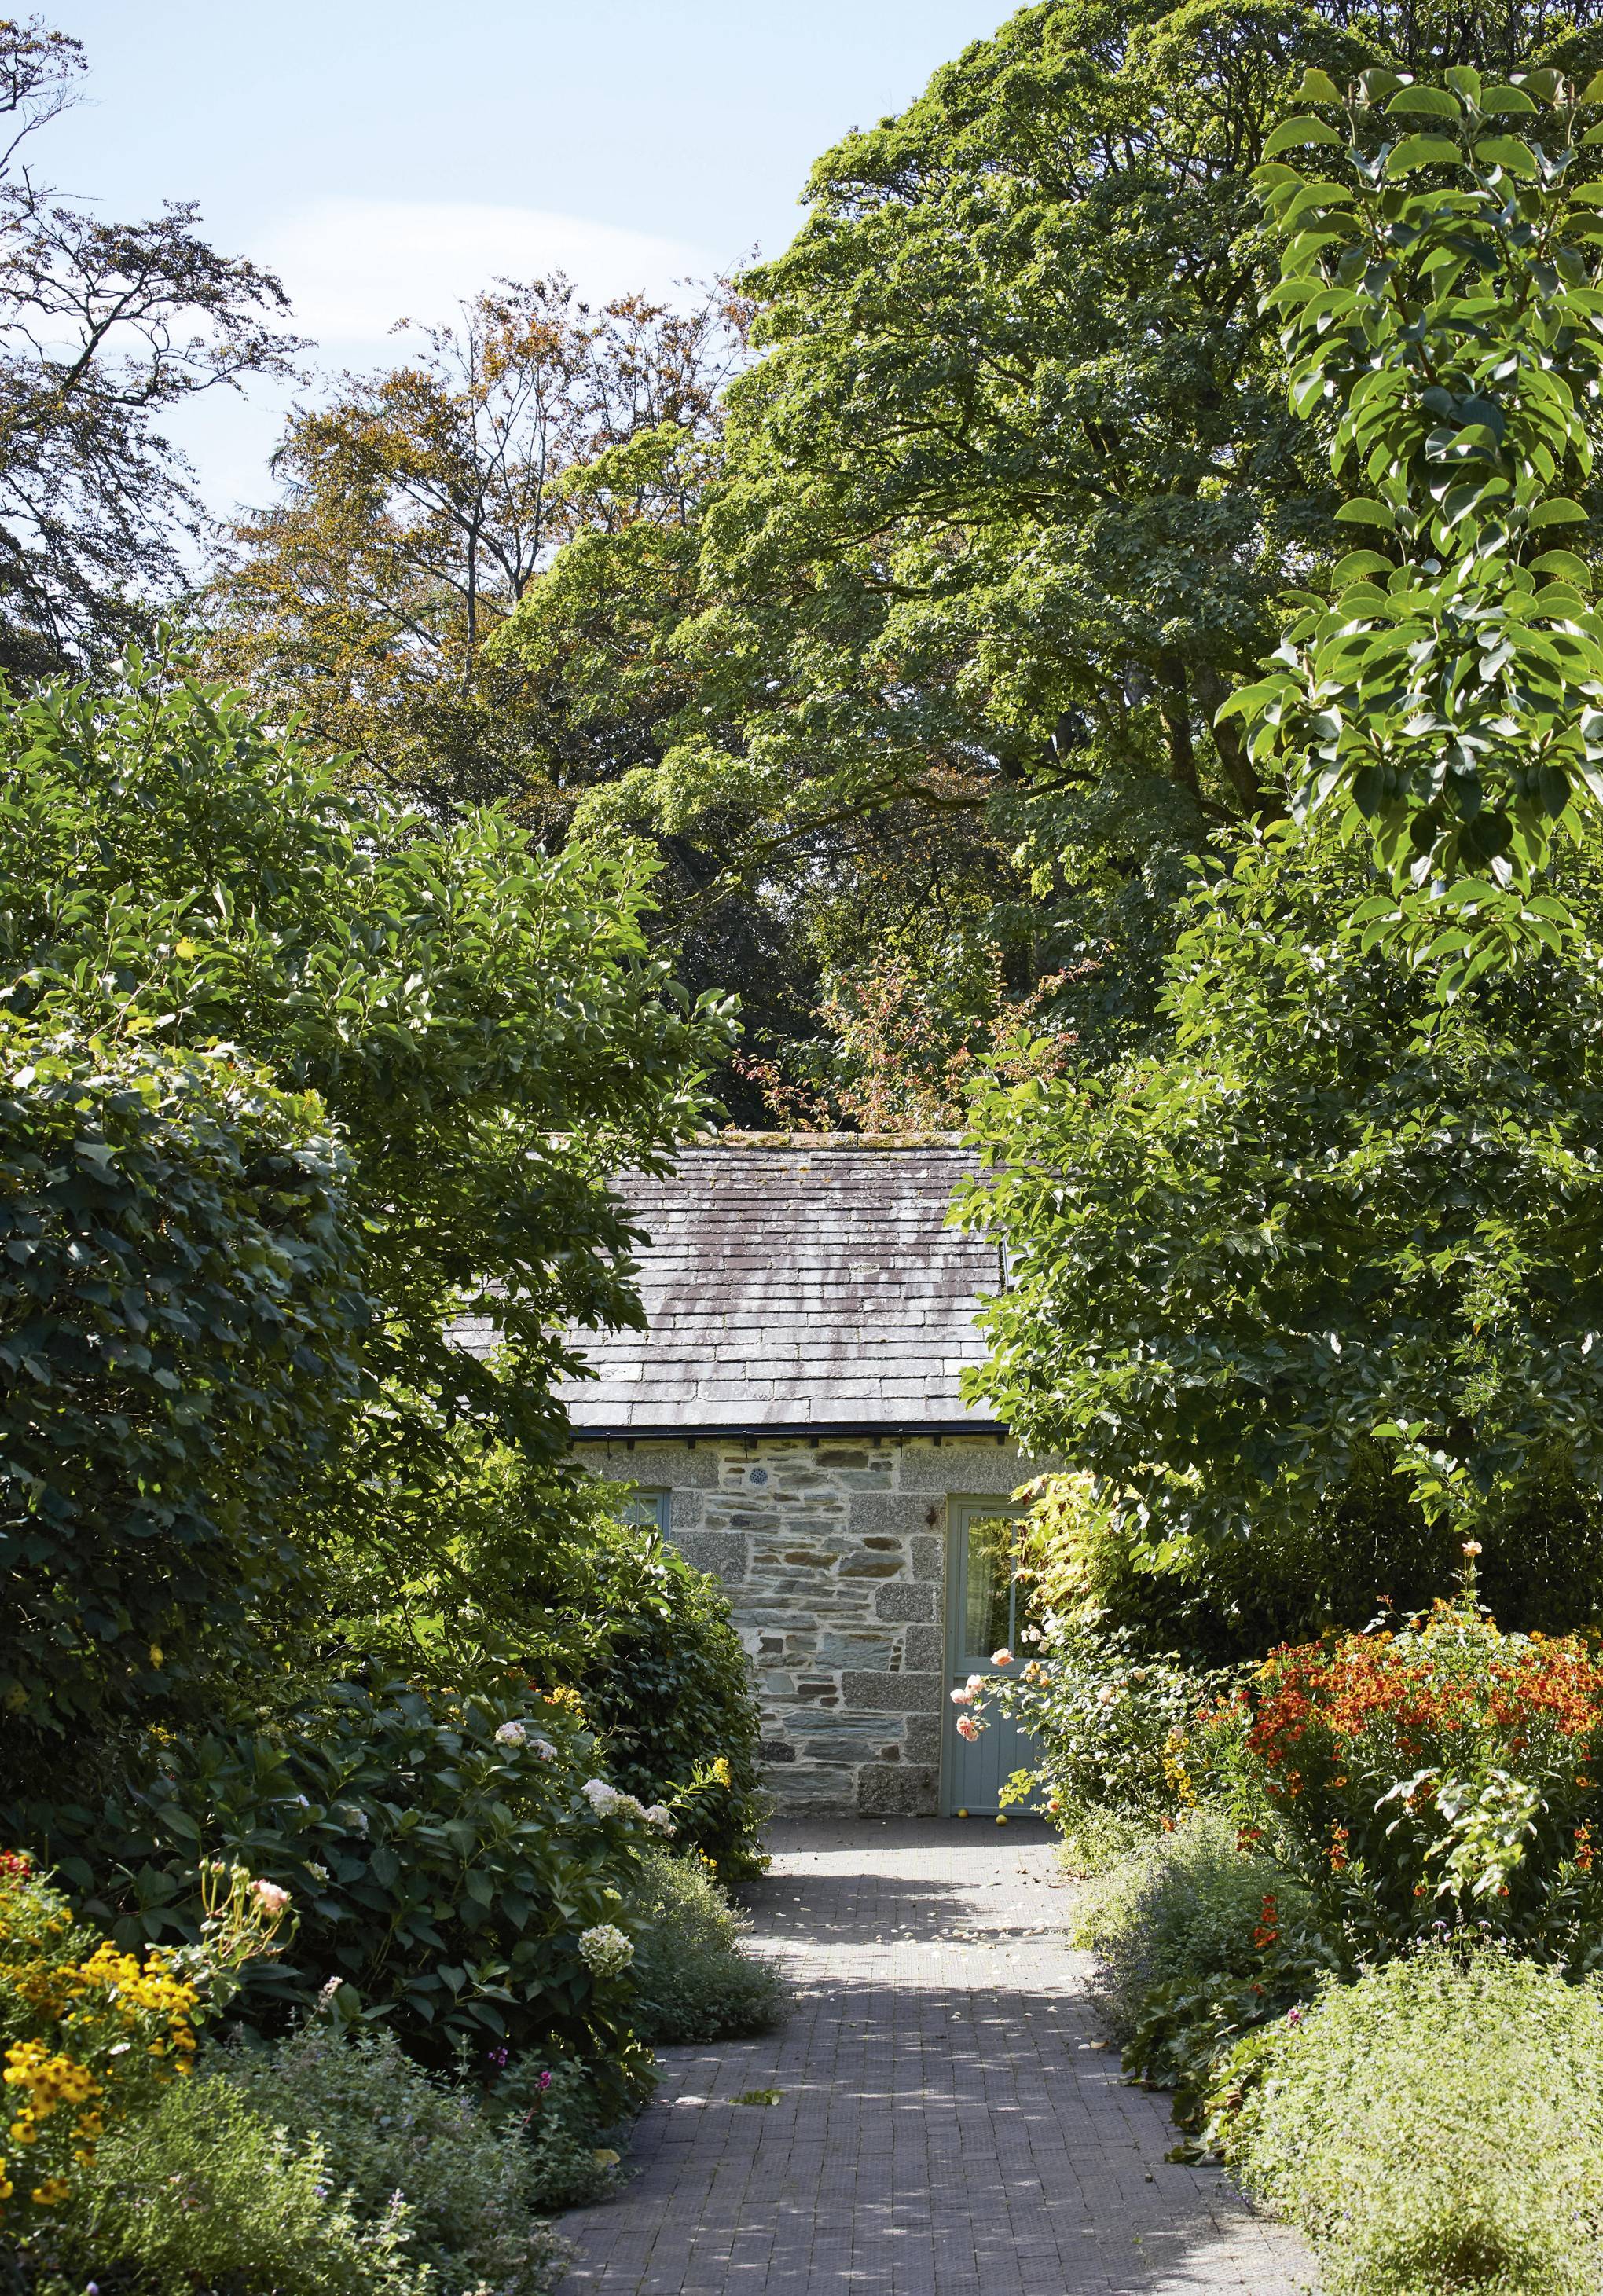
(647, 1508)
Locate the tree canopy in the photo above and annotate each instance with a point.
(1337, 1211)
(912, 637)
(482, 1023)
(1006, 502)
(104, 327)
(1441, 297)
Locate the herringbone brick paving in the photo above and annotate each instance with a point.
(947, 2122)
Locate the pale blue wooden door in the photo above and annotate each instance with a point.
(984, 1611)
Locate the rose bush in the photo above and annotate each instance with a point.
(1118, 1730)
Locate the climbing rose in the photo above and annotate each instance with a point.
(967, 1727)
(269, 1897)
(1001, 1658)
(963, 1698)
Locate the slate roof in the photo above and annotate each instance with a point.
(796, 1282)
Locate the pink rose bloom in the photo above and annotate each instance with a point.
(269, 1897)
(967, 1727)
(1001, 1658)
(963, 1697)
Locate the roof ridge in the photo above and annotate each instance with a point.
(866, 1142)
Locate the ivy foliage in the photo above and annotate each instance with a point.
(1339, 1213)
(1442, 292)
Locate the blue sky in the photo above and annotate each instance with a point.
(389, 159)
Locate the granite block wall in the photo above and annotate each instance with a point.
(833, 1552)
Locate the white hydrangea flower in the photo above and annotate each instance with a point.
(600, 1796)
(660, 1816)
(544, 1749)
(605, 1951)
(511, 1733)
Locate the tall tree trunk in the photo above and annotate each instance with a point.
(1255, 800)
(1174, 707)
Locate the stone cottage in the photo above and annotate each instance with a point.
(792, 1417)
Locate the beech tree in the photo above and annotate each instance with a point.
(419, 504)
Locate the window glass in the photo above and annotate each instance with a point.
(988, 1595)
(649, 1509)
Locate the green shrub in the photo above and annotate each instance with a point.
(573, 2142)
(91, 2035)
(203, 2194)
(177, 1308)
(1366, 1544)
(1185, 1905)
(447, 1858)
(1199, 1943)
(1115, 1730)
(469, 2180)
(695, 1981)
(1447, 1772)
(671, 1691)
(1435, 2129)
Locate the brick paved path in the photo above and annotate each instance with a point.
(946, 2124)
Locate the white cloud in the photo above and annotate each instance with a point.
(353, 267)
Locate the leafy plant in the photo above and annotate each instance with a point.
(482, 1021)
(181, 1324)
(401, 1063)
(470, 2179)
(447, 1858)
(670, 1689)
(1434, 2128)
(204, 2193)
(571, 2134)
(1369, 1544)
(1115, 1727)
(695, 1981)
(1444, 1775)
(1187, 1906)
(1200, 1941)
(90, 2033)
(1439, 293)
(1339, 1217)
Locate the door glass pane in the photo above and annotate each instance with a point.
(988, 1595)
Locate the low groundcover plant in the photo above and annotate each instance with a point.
(1436, 2126)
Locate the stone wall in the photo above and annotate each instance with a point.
(833, 1553)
